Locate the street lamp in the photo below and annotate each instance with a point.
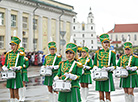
(37, 5)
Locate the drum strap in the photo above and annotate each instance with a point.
(129, 60)
(17, 59)
(109, 58)
(70, 70)
(86, 60)
(54, 60)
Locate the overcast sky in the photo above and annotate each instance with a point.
(106, 12)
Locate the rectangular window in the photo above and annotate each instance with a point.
(35, 43)
(25, 43)
(1, 18)
(91, 41)
(13, 20)
(1, 42)
(25, 21)
(34, 24)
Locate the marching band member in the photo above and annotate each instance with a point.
(24, 75)
(14, 61)
(52, 61)
(86, 73)
(73, 75)
(130, 62)
(102, 61)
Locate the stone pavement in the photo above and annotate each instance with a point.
(36, 92)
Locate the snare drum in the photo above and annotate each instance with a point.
(48, 71)
(43, 71)
(62, 86)
(8, 74)
(100, 75)
(121, 73)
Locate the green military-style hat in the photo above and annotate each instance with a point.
(52, 44)
(15, 40)
(72, 47)
(104, 37)
(85, 49)
(21, 49)
(128, 45)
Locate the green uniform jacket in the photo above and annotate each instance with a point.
(10, 62)
(86, 77)
(132, 80)
(49, 61)
(101, 60)
(24, 70)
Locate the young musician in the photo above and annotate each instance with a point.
(71, 70)
(24, 75)
(86, 73)
(130, 62)
(52, 61)
(14, 61)
(102, 61)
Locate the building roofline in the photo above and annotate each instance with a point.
(48, 4)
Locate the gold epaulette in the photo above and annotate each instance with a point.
(8, 52)
(88, 60)
(61, 62)
(114, 52)
(136, 56)
(79, 64)
(26, 59)
(96, 51)
(46, 55)
(59, 56)
(22, 53)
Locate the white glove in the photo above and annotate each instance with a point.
(119, 67)
(12, 68)
(18, 68)
(56, 78)
(95, 68)
(50, 67)
(42, 66)
(24, 65)
(67, 75)
(56, 67)
(73, 76)
(133, 68)
(111, 68)
(5, 68)
(104, 68)
(86, 67)
(128, 68)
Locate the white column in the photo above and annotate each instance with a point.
(49, 29)
(57, 35)
(8, 29)
(40, 34)
(20, 35)
(30, 36)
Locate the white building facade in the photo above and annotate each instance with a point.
(84, 33)
(35, 22)
(122, 33)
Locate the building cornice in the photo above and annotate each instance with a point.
(46, 6)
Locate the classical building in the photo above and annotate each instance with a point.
(84, 33)
(35, 22)
(124, 32)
